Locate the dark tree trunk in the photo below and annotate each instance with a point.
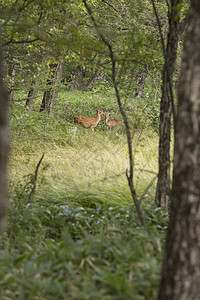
(11, 73)
(32, 94)
(77, 83)
(181, 267)
(11, 96)
(93, 78)
(141, 76)
(3, 145)
(50, 96)
(47, 97)
(96, 75)
(164, 182)
(80, 73)
(166, 108)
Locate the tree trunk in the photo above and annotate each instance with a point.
(47, 97)
(141, 76)
(94, 77)
(3, 145)
(80, 73)
(181, 267)
(30, 102)
(11, 73)
(77, 83)
(50, 96)
(166, 108)
(164, 182)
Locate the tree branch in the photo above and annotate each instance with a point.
(20, 42)
(111, 5)
(182, 26)
(129, 174)
(159, 26)
(35, 179)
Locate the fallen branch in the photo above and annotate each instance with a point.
(35, 180)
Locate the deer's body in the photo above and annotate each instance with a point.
(111, 123)
(88, 122)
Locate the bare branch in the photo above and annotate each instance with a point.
(20, 42)
(129, 173)
(111, 5)
(8, 19)
(35, 179)
(159, 26)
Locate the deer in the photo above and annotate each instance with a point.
(88, 122)
(111, 123)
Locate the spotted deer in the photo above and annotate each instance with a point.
(111, 123)
(88, 122)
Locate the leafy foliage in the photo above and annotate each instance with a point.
(80, 238)
(64, 250)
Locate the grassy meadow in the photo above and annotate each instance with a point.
(93, 162)
(80, 237)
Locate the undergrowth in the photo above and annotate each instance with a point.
(80, 238)
(89, 250)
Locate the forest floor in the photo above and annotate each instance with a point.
(80, 237)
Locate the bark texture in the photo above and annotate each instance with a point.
(166, 109)
(77, 83)
(3, 146)
(79, 75)
(50, 96)
(181, 267)
(32, 94)
(140, 82)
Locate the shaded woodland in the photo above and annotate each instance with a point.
(99, 149)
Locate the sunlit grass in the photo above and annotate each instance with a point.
(94, 166)
(88, 164)
(81, 224)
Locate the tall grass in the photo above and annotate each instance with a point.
(93, 162)
(80, 238)
(95, 165)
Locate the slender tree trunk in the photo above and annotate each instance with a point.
(94, 77)
(47, 97)
(57, 81)
(11, 73)
(181, 267)
(141, 76)
(129, 173)
(164, 182)
(80, 73)
(166, 108)
(50, 96)
(77, 83)
(3, 145)
(30, 102)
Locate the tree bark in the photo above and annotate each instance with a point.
(181, 266)
(30, 102)
(94, 77)
(50, 96)
(80, 74)
(77, 83)
(3, 145)
(11, 73)
(166, 108)
(141, 76)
